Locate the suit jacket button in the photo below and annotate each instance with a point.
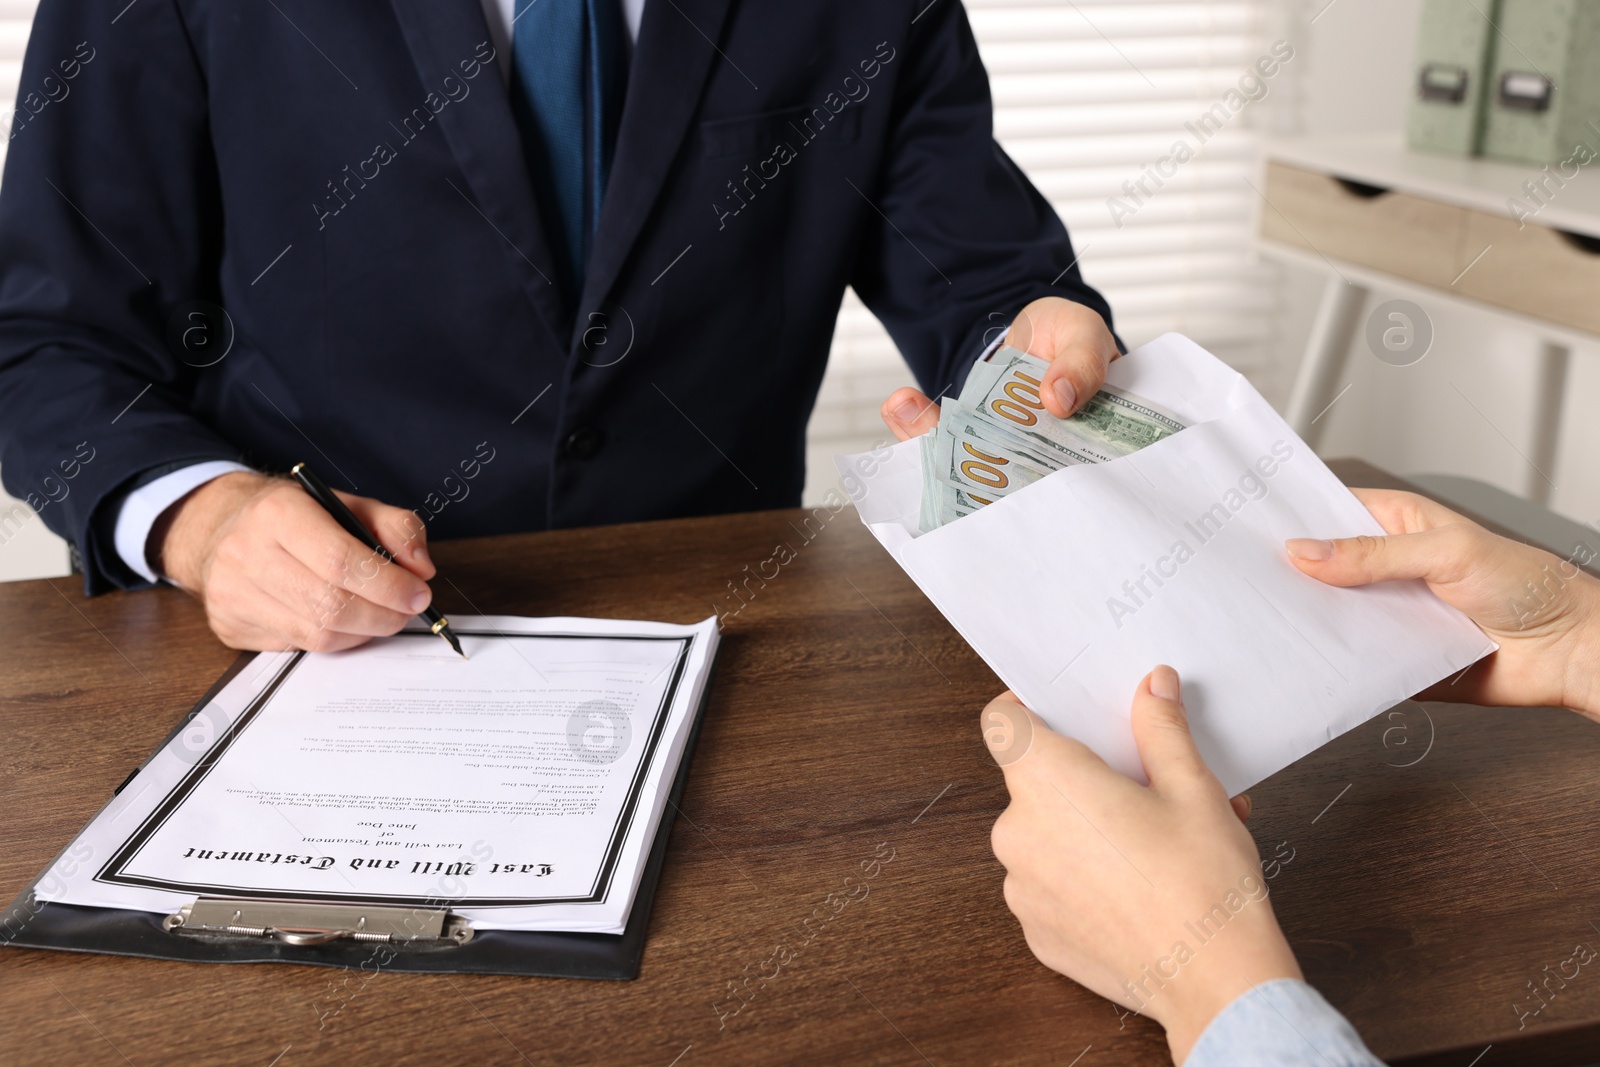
(583, 443)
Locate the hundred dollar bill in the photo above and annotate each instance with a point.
(949, 504)
(957, 418)
(1004, 393)
(943, 502)
(928, 516)
(967, 457)
(997, 436)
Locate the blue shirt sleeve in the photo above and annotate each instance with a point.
(1282, 1023)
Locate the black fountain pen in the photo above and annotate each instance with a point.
(345, 517)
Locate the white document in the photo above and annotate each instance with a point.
(521, 787)
(1074, 587)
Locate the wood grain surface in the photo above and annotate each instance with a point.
(1442, 862)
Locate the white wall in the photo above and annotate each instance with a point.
(27, 549)
(1357, 78)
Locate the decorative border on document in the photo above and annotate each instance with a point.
(114, 872)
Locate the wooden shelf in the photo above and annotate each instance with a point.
(1483, 184)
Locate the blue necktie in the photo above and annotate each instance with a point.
(569, 76)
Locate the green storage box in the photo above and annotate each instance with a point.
(1543, 95)
(1454, 48)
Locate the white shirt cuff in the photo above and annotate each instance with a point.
(145, 504)
(983, 357)
(993, 347)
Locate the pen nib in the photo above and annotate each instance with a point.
(445, 633)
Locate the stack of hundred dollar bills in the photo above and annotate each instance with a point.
(997, 436)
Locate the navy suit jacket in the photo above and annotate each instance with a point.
(305, 231)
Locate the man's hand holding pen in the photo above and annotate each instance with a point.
(275, 570)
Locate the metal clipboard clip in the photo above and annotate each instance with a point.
(300, 923)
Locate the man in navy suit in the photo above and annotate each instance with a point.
(491, 264)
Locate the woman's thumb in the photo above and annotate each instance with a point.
(1427, 554)
(1161, 731)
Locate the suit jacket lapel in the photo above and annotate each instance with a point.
(483, 136)
(672, 59)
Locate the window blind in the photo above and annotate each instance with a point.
(16, 18)
(1087, 96)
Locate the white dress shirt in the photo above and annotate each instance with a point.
(144, 505)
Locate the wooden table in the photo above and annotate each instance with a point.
(1442, 858)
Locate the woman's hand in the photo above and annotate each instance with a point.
(1543, 611)
(1128, 889)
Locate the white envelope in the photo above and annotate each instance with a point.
(1075, 587)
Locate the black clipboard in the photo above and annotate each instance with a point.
(31, 923)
